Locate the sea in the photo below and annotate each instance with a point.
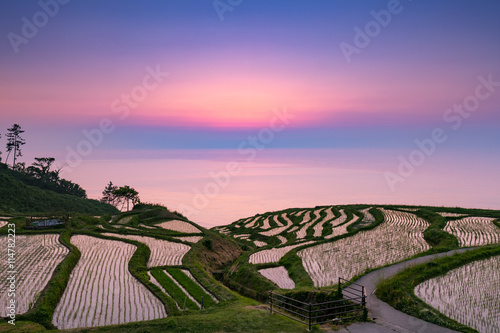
(218, 186)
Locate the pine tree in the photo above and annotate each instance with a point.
(107, 194)
(14, 142)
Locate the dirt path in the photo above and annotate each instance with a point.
(387, 319)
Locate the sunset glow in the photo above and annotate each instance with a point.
(174, 75)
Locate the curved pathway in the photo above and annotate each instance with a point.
(387, 319)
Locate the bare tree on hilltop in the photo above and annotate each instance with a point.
(14, 142)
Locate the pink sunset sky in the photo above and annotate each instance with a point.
(228, 71)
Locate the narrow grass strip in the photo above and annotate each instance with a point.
(177, 294)
(191, 286)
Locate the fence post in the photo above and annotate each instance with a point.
(363, 302)
(309, 329)
(270, 302)
(340, 289)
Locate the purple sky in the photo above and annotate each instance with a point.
(159, 75)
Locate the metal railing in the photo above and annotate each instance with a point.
(351, 305)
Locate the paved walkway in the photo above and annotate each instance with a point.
(387, 319)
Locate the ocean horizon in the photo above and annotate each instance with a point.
(219, 186)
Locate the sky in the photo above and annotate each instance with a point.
(94, 78)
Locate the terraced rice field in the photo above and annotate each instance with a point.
(251, 222)
(278, 275)
(450, 214)
(223, 230)
(242, 222)
(101, 291)
(242, 236)
(36, 258)
(180, 226)
(280, 229)
(308, 220)
(163, 252)
(147, 226)
(399, 237)
(474, 231)
(469, 294)
(272, 255)
(259, 243)
(282, 239)
(190, 239)
(368, 216)
(338, 229)
(125, 220)
(299, 213)
(129, 228)
(335, 223)
(265, 224)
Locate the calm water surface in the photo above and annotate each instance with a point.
(197, 184)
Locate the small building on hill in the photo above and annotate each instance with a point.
(45, 223)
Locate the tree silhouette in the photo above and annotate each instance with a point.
(20, 167)
(108, 196)
(71, 188)
(41, 169)
(127, 193)
(14, 142)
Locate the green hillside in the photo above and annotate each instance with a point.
(19, 194)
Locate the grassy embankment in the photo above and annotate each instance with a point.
(173, 290)
(20, 194)
(194, 289)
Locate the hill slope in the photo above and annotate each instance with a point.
(18, 197)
